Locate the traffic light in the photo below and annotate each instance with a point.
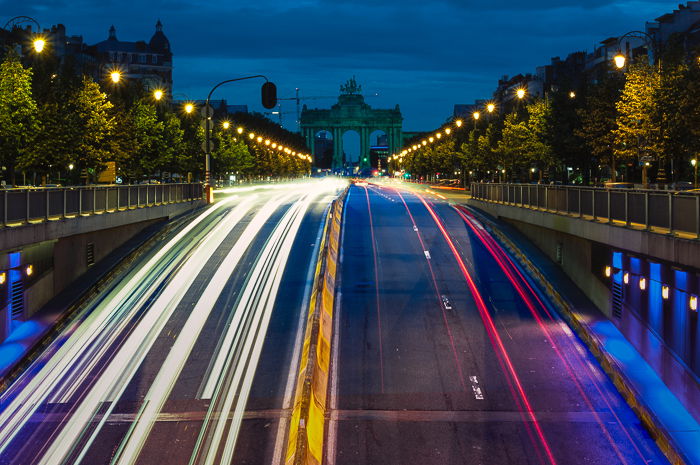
(269, 95)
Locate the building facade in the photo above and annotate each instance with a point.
(149, 62)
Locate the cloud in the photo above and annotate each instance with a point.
(424, 55)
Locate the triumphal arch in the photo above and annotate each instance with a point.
(351, 113)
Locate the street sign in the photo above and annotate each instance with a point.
(207, 124)
(211, 146)
(207, 111)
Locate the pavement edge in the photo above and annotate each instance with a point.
(607, 362)
(306, 430)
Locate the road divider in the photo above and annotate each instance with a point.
(307, 425)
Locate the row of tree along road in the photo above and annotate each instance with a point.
(639, 125)
(57, 126)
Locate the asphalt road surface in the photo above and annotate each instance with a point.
(189, 358)
(445, 354)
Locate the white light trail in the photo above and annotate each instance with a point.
(124, 300)
(247, 334)
(121, 369)
(177, 356)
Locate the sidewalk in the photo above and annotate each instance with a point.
(670, 423)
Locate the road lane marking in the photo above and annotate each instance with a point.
(478, 393)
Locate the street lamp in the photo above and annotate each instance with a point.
(620, 59)
(189, 108)
(490, 107)
(39, 45)
(158, 94)
(225, 125)
(115, 76)
(572, 94)
(520, 93)
(694, 162)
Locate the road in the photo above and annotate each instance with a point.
(445, 354)
(190, 356)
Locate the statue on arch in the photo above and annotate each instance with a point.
(351, 87)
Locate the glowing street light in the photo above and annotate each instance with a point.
(572, 94)
(225, 125)
(476, 115)
(115, 76)
(239, 130)
(39, 45)
(520, 93)
(158, 94)
(490, 107)
(619, 60)
(458, 123)
(189, 108)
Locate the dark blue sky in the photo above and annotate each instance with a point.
(423, 55)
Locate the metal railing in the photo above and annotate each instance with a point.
(30, 205)
(667, 212)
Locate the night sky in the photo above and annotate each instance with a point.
(424, 55)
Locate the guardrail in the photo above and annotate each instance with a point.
(659, 211)
(22, 206)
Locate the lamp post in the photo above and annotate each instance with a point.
(269, 97)
(694, 162)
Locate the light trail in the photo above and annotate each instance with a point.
(491, 328)
(520, 284)
(174, 363)
(125, 301)
(255, 308)
(122, 368)
(106, 344)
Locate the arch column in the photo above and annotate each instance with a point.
(311, 142)
(364, 147)
(337, 149)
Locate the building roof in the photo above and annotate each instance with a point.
(159, 42)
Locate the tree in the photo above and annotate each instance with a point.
(638, 130)
(512, 147)
(96, 125)
(599, 121)
(18, 113)
(231, 155)
(538, 145)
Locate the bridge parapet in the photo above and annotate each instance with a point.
(33, 205)
(665, 212)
